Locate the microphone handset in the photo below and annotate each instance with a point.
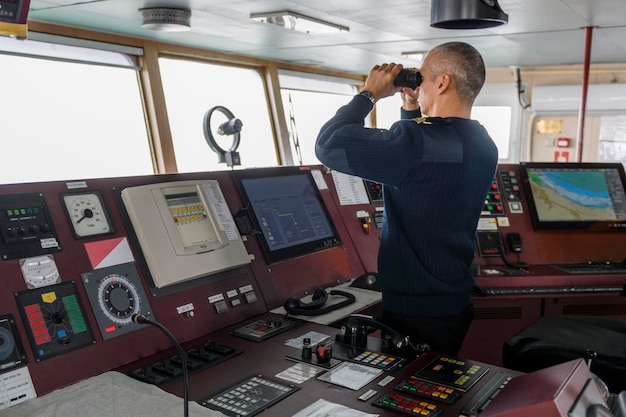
(507, 261)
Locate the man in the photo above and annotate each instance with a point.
(435, 175)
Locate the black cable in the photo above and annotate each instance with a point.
(507, 261)
(140, 319)
(520, 90)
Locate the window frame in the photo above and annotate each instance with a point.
(159, 112)
(75, 55)
(305, 82)
(505, 95)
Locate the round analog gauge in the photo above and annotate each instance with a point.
(118, 298)
(87, 214)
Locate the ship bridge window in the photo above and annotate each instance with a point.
(496, 108)
(310, 100)
(71, 109)
(191, 89)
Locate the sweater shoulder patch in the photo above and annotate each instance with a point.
(440, 144)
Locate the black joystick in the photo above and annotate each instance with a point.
(307, 351)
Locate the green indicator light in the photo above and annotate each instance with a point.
(9, 212)
(79, 329)
(69, 299)
(71, 308)
(22, 211)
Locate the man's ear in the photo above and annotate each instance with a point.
(444, 83)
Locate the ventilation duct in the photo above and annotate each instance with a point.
(566, 99)
(466, 14)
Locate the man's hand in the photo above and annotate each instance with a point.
(379, 82)
(409, 98)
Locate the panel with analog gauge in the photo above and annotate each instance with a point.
(87, 214)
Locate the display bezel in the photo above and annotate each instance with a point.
(539, 224)
(69, 197)
(275, 174)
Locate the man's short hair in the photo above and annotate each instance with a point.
(464, 63)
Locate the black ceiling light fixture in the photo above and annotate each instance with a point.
(466, 14)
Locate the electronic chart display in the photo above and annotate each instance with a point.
(576, 196)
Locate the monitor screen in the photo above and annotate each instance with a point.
(575, 196)
(287, 210)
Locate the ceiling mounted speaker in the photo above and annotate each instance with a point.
(466, 14)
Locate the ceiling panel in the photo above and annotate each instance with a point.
(539, 32)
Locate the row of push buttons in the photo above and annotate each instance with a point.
(407, 405)
(429, 390)
(375, 359)
(249, 397)
(187, 209)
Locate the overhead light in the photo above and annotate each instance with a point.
(296, 21)
(166, 19)
(466, 14)
(416, 56)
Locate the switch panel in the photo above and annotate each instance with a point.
(493, 201)
(26, 226)
(511, 185)
(374, 191)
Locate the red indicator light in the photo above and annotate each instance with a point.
(110, 329)
(34, 316)
(32, 308)
(41, 331)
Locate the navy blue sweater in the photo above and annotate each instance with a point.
(435, 178)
